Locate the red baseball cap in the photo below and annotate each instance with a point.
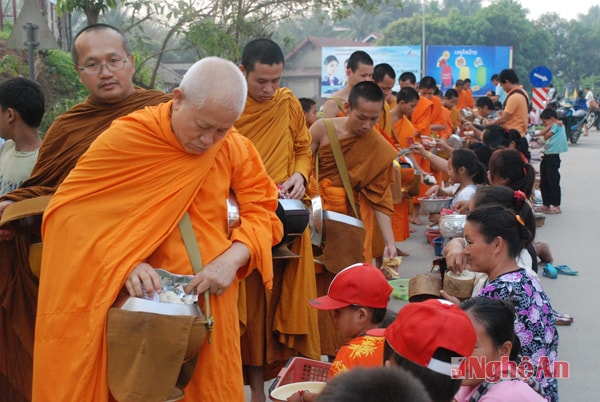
(421, 328)
(360, 285)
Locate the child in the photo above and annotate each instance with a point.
(424, 339)
(556, 143)
(493, 321)
(21, 112)
(309, 107)
(358, 296)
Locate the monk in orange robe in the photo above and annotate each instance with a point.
(279, 324)
(404, 132)
(115, 218)
(359, 68)
(371, 174)
(65, 141)
(470, 102)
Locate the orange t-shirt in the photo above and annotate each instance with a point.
(362, 351)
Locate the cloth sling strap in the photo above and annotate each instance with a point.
(191, 245)
(340, 163)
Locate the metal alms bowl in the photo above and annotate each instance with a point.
(452, 225)
(433, 205)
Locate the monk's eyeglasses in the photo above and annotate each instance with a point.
(113, 65)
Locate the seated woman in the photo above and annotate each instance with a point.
(493, 321)
(494, 238)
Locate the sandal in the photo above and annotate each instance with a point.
(550, 271)
(562, 319)
(565, 270)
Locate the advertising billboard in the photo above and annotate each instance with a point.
(449, 63)
(333, 63)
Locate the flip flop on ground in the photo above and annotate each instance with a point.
(565, 270)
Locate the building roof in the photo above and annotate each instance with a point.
(324, 42)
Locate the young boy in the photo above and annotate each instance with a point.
(556, 143)
(21, 112)
(424, 338)
(309, 107)
(358, 296)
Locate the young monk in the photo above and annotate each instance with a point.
(278, 324)
(371, 174)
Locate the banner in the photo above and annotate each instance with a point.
(478, 63)
(334, 59)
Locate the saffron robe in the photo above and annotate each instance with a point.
(277, 129)
(369, 162)
(117, 209)
(66, 140)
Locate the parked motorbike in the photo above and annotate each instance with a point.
(573, 124)
(592, 118)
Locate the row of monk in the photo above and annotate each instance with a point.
(124, 167)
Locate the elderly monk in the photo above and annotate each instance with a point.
(279, 323)
(369, 159)
(103, 60)
(192, 159)
(359, 68)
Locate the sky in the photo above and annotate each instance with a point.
(566, 9)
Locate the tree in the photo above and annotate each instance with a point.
(91, 8)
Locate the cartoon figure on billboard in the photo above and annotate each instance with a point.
(330, 78)
(464, 71)
(446, 76)
(480, 73)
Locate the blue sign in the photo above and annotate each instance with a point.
(540, 77)
(478, 63)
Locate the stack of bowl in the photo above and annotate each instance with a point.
(452, 225)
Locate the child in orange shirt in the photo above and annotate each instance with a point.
(358, 296)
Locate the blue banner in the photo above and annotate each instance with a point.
(449, 63)
(333, 63)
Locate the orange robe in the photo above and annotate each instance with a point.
(421, 120)
(371, 174)
(469, 98)
(400, 222)
(362, 351)
(65, 141)
(437, 114)
(117, 209)
(463, 100)
(277, 129)
(445, 133)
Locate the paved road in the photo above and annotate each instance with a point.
(574, 239)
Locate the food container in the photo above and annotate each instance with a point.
(433, 205)
(422, 287)
(432, 234)
(459, 285)
(452, 225)
(311, 374)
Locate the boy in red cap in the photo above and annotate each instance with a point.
(424, 338)
(358, 296)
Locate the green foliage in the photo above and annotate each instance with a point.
(11, 65)
(67, 6)
(59, 65)
(210, 40)
(5, 33)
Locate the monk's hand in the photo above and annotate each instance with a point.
(390, 251)
(294, 186)
(454, 252)
(220, 273)
(143, 278)
(7, 231)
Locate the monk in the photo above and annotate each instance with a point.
(404, 136)
(192, 159)
(359, 68)
(470, 102)
(371, 174)
(421, 121)
(103, 60)
(279, 323)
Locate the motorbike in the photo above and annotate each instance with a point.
(592, 118)
(573, 124)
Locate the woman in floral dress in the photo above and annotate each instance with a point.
(494, 237)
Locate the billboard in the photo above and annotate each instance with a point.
(449, 63)
(333, 63)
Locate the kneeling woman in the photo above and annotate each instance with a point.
(494, 237)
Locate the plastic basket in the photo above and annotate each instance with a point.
(299, 369)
